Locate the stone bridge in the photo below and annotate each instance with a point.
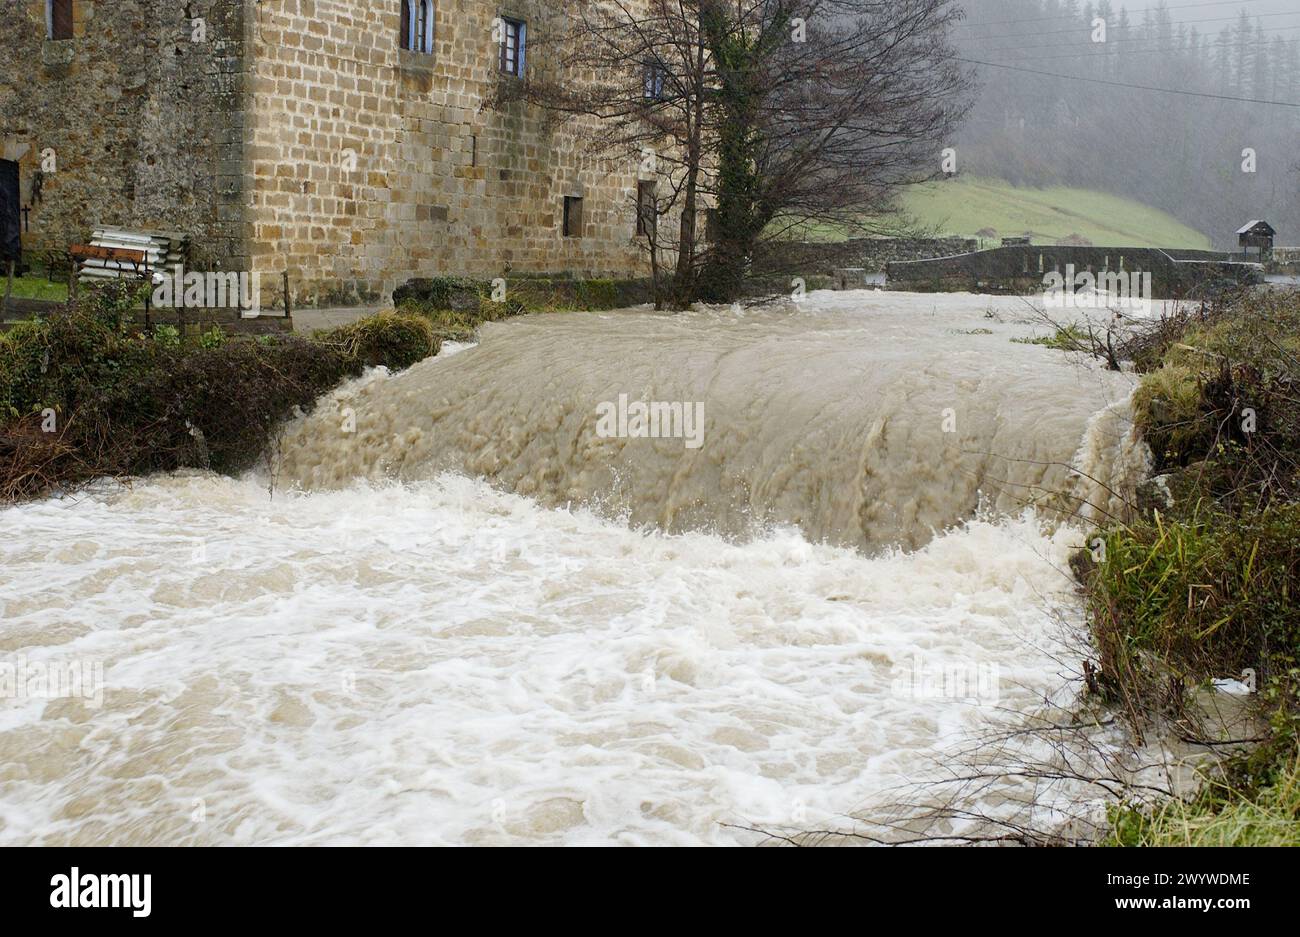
(1020, 269)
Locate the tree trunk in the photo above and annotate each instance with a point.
(684, 280)
(739, 195)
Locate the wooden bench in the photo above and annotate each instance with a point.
(124, 259)
(121, 256)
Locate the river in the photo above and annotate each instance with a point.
(457, 613)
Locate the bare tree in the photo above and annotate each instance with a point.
(829, 108)
(776, 113)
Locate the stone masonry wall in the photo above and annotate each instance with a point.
(371, 165)
(143, 121)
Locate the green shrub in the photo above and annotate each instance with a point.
(154, 407)
(396, 340)
(23, 360)
(1207, 587)
(1167, 406)
(52, 362)
(456, 293)
(113, 301)
(461, 325)
(237, 393)
(1065, 338)
(167, 335)
(456, 307)
(130, 404)
(1211, 596)
(542, 293)
(215, 337)
(1221, 392)
(597, 294)
(1224, 812)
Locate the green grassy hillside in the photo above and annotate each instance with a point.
(964, 206)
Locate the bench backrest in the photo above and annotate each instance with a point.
(112, 254)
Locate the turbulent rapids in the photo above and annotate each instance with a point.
(862, 427)
(459, 612)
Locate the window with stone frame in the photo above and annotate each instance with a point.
(653, 76)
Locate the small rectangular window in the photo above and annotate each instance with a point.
(58, 18)
(653, 81)
(646, 210)
(572, 216)
(512, 46)
(417, 26)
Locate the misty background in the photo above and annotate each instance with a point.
(1057, 108)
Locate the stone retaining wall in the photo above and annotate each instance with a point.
(1286, 260)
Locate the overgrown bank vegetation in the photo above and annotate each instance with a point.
(85, 394)
(1202, 585)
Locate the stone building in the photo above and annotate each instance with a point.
(349, 142)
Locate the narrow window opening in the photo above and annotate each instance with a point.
(711, 225)
(653, 75)
(424, 31)
(512, 46)
(572, 216)
(58, 18)
(417, 26)
(11, 213)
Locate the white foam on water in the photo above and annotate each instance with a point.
(441, 662)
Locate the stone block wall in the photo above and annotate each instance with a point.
(137, 121)
(370, 165)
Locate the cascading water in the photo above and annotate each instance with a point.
(860, 428)
(482, 621)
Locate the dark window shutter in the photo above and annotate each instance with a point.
(61, 19)
(406, 24)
